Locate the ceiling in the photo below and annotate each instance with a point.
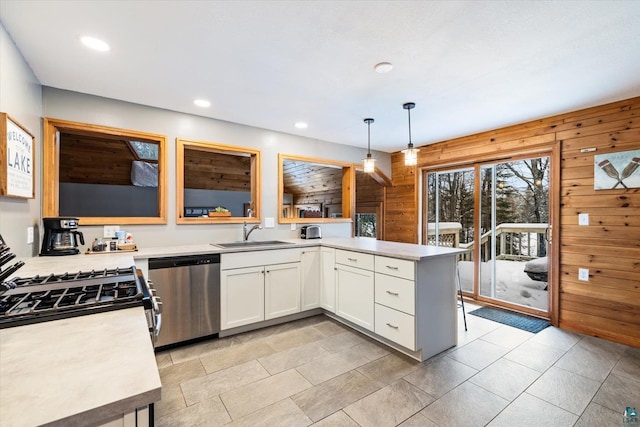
(469, 66)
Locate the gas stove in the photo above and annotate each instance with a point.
(58, 296)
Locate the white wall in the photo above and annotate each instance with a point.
(21, 98)
(66, 105)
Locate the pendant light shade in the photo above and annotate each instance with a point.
(410, 154)
(369, 162)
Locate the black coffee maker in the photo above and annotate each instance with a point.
(61, 237)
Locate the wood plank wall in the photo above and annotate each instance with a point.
(94, 160)
(368, 190)
(608, 305)
(209, 170)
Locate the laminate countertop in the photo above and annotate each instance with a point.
(79, 371)
(359, 244)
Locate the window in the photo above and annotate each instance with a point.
(103, 175)
(315, 190)
(217, 183)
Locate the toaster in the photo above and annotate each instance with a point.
(310, 232)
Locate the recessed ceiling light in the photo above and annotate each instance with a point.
(95, 44)
(383, 67)
(301, 125)
(202, 103)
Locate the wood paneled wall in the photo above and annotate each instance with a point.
(312, 184)
(368, 190)
(209, 170)
(608, 305)
(401, 204)
(94, 160)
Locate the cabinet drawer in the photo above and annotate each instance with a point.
(396, 293)
(395, 326)
(395, 267)
(257, 258)
(354, 259)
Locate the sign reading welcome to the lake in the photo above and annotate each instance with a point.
(17, 163)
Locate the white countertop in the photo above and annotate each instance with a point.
(73, 263)
(77, 371)
(360, 244)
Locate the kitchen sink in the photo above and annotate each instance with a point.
(251, 244)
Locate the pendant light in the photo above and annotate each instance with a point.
(410, 154)
(369, 162)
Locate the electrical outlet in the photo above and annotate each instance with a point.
(293, 226)
(583, 219)
(29, 235)
(583, 274)
(110, 231)
(269, 222)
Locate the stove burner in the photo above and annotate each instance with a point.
(56, 296)
(66, 277)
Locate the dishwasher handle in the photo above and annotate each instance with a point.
(183, 261)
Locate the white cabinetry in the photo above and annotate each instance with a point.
(355, 288)
(328, 279)
(281, 290)
(241, 296)
(310, 260)
(257, 286)
(395, 300)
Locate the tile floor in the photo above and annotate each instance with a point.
(318, 372)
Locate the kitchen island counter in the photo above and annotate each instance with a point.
(83, 370)
(78, 371)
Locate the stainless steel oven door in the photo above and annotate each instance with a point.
(154, 314)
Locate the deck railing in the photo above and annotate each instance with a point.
(514, 241)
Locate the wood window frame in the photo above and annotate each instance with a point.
(256, 185)
(51, 155)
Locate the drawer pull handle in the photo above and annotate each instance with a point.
(391, 267)
(392, 293)
(353, 259)
(392, 326)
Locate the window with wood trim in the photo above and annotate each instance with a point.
(94, 173)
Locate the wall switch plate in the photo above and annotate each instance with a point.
(583, 219)
(583, 274)
(269, 222)
(29, 235)
(293, 226)
(110, 231)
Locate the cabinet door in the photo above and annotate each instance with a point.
(310, 281)
(241, 297)
(328, 279)
(355, 291)
(281, 290)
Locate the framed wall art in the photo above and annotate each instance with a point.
(617, 171)
(17, 159)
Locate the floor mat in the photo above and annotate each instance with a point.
(519, 321)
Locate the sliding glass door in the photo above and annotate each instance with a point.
(514, 223)
(449, 215)
(507, 238)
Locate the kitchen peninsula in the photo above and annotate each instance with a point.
(89, 369)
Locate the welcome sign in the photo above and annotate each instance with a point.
(17, 164)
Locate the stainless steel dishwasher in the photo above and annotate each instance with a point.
(189, 287)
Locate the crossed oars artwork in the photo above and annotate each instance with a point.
(617, 170)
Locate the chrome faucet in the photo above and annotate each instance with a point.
(246, 233)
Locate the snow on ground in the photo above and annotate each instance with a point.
(512, 283)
